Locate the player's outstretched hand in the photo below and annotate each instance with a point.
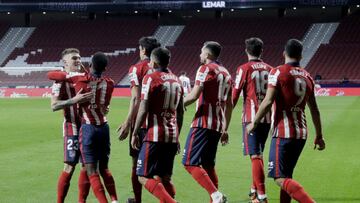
(83, 97)
(250, 128)
(319, 143)
(135, 142)
(123, 131)
(224, 139)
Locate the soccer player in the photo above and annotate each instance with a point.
(185, 81)
(162, 105)
(212, 90)
(290, 88)
(251, 79)
(94, 131)
(136, 74)
(64, 97)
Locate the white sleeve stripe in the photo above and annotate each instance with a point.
(146, 88)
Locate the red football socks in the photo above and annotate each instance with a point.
(284, 197)
(258, 175)
(63, 186)
(213, 176)
(84, 186)
(200, 175)
(109, 183)
(296, 191)
(156, 188)
(137, 187)
(98, 188)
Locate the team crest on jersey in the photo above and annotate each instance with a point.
(72, 153)
(270, 166)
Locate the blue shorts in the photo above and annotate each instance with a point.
(141, 134)
(284, 154)
(71, 149)
(254, 144)
(156, 158)
(95, 143)
(201, 146)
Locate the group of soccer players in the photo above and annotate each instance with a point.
(155, 118)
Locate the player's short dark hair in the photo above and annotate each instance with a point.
(182, 73)
(69, 51)
(149, 44)
(254, 46)
(293, 49)
(99, 61)
(161, 56)
(213, 47)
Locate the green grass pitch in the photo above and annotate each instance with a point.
(31, 156)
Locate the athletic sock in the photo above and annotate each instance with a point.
(63, 186)
(156, 188)
(98, 188)
(258, 175)
(109, 183)
(83, 185)
(296, 191)
(200, 175)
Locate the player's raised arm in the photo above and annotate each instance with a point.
(315, 114)
(57, 75)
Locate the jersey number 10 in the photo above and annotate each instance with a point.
(172, 95)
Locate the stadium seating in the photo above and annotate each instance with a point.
(231, 33)
(111, 36)
(340, 58)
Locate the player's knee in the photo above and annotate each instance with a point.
(256, 156)
(142, 180)
(279, 181)
(90, 169)
(69, 168)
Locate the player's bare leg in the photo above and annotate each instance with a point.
(155, 187)
(258, 176)
(294, 190)
(95, 182)
(83, 184)
(137, 187)
(109, 181)
(64, 182)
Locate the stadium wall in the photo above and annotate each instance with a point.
(125, 92)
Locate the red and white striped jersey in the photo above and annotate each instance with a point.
(72, 121)
(163, 91)
(138, 71)
(294, 86)
(252, 79)
(136, 75)
(210, 107)
(92, 112)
